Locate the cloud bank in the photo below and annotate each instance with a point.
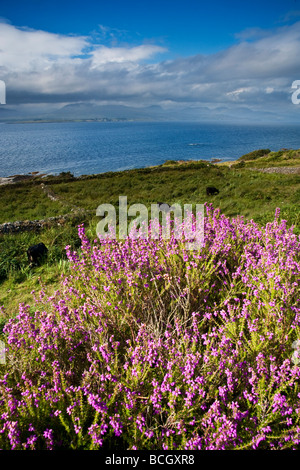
(252, 76)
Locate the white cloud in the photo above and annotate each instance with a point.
(25, 50)
(38, 67)
(104, 55)
(236, 93)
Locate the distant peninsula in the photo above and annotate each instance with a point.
(34, 121)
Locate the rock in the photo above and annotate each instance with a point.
(211, 191)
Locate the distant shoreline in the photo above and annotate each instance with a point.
(49, 121)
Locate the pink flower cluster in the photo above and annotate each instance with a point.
(150, 346)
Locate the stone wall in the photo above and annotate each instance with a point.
(31, 225)
(36, 225)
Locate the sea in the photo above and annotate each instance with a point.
(84, 148)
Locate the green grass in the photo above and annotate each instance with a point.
(264, 159)
(252, 194)
(17, 278)
(20, 286)
(27, 202)
(254, 155)
(243, 191)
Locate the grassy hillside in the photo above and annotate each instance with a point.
(265, 158)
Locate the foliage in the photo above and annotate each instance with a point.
(149, 345)
(13, 249)
(254, 154)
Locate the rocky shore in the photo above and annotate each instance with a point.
(20, 178)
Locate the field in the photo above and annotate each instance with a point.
(145, 344)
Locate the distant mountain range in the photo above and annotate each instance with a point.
(91, 111)
(88, 111)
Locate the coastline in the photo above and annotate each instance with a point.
(19, 178)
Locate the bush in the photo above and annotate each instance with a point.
(149, 345)
(254, 155)
(240, 164)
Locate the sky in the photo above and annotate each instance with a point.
(195, 60)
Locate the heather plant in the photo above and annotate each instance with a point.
(149, 345)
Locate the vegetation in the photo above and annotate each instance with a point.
(148, 345)
(264, 158)
(255, 154)
(145, 344)
(253, 194)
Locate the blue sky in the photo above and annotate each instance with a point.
(209, 58)
(184, 27)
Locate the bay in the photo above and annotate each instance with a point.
(97, 147)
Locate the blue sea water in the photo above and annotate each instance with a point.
(97, 147)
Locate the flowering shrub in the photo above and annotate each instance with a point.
(150, 346)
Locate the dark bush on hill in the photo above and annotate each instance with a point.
(255, 154)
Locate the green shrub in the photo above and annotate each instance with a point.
(255, 154)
